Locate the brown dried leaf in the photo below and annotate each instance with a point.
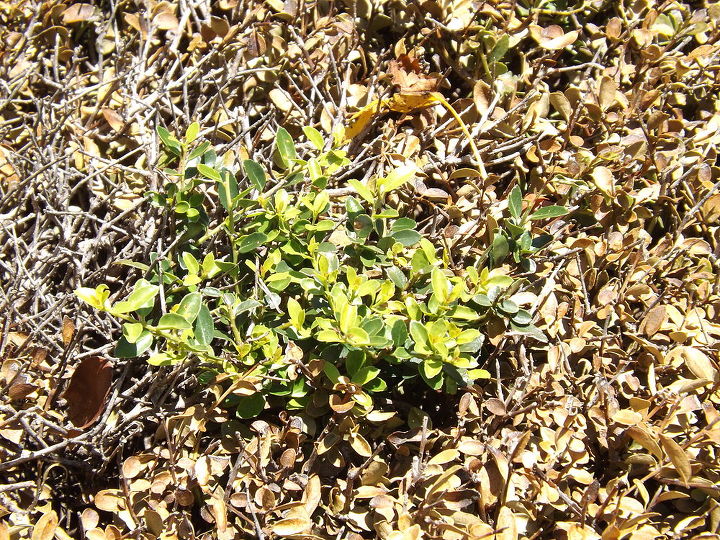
(20, 390)
(627, 417)
(678, 457)
(45, 527)
(553, 37)
(407, 76)
(78, 13)
(695, 360)
(109, 500)
(495, 406)
(506, 526)
(654, 320)
(113, 119)
(68, 330)
(446, 456)
(90, 519)
(291, 526)
(88, 389)
(312, 494)
(360, 445)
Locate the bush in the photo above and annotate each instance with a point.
(303, 301)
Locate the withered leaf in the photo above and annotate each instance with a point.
(68, 330)
(678, 457)
(407, 76)
(45, 527)
(291, 526)
(78, 13)
(88, 389)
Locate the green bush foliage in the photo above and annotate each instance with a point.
(303, 301)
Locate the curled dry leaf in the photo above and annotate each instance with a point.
(695, 360)
(553, 37)
(109, 500)
(68, 330)
(89, 519)
(678, 457)
(88, 390)
(291, 526)
(407, 76)
(114, 119)
(78, 13)
(46, 526)
(627, 417)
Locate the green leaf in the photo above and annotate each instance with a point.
(190, 306)
(255, 173)
(209, 172)
(440, 285)
(396, 179)
(285, 146)
(499, 50)
(191, 263)
(173, 321)
(315, 137)
(169, 141)
(362, 190)
(465, 313)
(250, 406)
(331, 372)
(132, 331)
(204, 326)
(365, 375)
(191, 133)
(139, 298)
(125, 349)
(420, 337)
(399, 333)
(522, 317)
(296, 312)
(376, 385)
(406, 237)
(431, 367)
(548, 212)
(354, 361)
(251, 242)
(358, 337)
(227, 190)
(397, 276)
(328, 336)
(160, 359)
(403, 224)
(199, 150)
(515, 202)
(499, 249)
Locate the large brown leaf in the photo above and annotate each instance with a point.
(88, 390)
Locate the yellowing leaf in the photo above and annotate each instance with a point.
(627, 417)
(446, 456)
(405, 103)
(291, 526)
(678, 457)
(360, 120)
(644, 439)
(360, 445)
(45, 527)
(604, 180)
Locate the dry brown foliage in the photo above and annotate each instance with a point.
(609, 430)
